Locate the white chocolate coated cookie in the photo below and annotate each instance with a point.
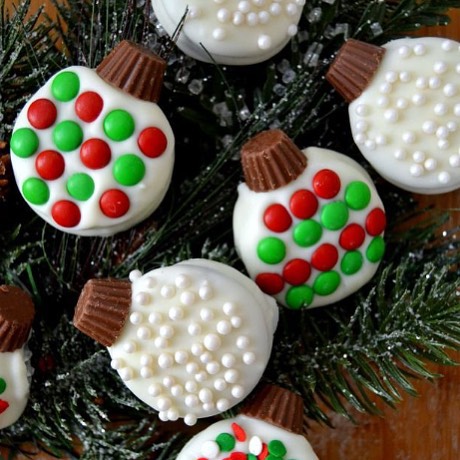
(14, 386)
(197, 340)
(88, 158)
(248, 437)
(231, 31)
(315, 240)
(407, 122)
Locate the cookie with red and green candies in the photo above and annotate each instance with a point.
(92, 152)
(308, 224)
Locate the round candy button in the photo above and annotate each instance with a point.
(152, 142)
(65, 86)
(42, 114)
(296, 272)
(50, 164)
(271, 250)
(119, 125)
(95, 153)
(67, 135)
(299, 297)
(326, 183)
(334, 215)
(303, 204)
(80, 186)
(114, 203)
(35, 191)
(24, 142)
(270, 283)
(88, 106)
(129, 169)
(277, 218)
(66, 213)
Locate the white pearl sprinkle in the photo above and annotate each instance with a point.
(416, 170)
(448, 45)
(409, 137)
(222, 404)
(173, 414)
(163, 416)
(169, 381)
(244, 6)
(116, 364)
(190, 419)
(440, 109)
(181, 357)
(402, 103)
(224, 327)
(237, 391)
(400, 154)
(223, 15)
(166, 331)
(362, 126)
(418, 99)
(218, 33)
(264, 42)
(191, 386)
(236, 321)
(454, 161)
(252, 19)
(165, 360)
(442, 132)
(213, 368)
(440, 67)
(201, 376)
(419, 156)
(443, 144)
(421, 83)
(249, 358)
(205, 395)
(429, 127)
(242, 342)
(212, 342)
(391, 76)
(155, 318)
(134, 275)
(229, 308)
(177, 390)
(386, 88)
(194, 12)
(360, 138)
(420, 49)
(154, 389)
(238, 18)
(146, 360)
(208, 407)
(191, 401)
(205, 292)
(444, 177)
(291, 9)
(197, 349)
(182, 281)
(206, 314)
(404, 51)
(450, 90)
(391, 115)
(144, 333)
(130, 346)
(150, 282)
(220, 384)
(176, 313)
(143, 298)
(231, 376)
(167, 291)
(161, 343)
(126, 374)
(275, 9)
(430, 164)
(228, 360)
(452, 126)
(192, 368)
(292, 30)
(164, 403)
(457, 110)
(210, 449)
(381, 139)
(383, 101)
(434, 82)
(405, 77)
(194, 329)
(188, 298)
(135, 318)
(146, 372)
(206, 357)
(362, 110)
(370, 144)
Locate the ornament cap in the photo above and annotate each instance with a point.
(354, 67)
(277, 406)
(135, 70)
(102, 309)
(17, 312)
(271, 160)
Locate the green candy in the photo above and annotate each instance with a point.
(307, 233)
(119, 125)
(334, 216)
(80, 186)
(351, 262)
(2, 385)
(376, 249)
(357, 195)
(326, 283)
(226, 442)
(129, 169)
(299, 297)
(24, 142)
(65, 86)
(271, 250)
(35, 191)
(277, 448)
(67, 135)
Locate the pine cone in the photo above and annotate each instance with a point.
(5, 171)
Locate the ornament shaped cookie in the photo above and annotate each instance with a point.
(308, 224)
(16, 316)
(92, 152)
(190, 340)
(405, 109)
(231, 31)
(269, 427)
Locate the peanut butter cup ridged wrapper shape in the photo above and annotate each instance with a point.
(135, 70)
(103, 308)
(271, 160)
(268, 427)
(354, 67)
(16, 316)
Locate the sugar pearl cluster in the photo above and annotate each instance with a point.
(188, 344)
(233, 14)
(415, 112)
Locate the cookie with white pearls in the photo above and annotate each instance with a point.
(235, 32)
(269, 427)
(190, 340)
(405, 109)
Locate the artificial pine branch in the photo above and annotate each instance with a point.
(372, 344)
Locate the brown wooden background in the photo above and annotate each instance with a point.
(423, 428)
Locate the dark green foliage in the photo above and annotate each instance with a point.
(374, 342)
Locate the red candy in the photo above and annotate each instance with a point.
(50, 164)
(296, 272)
(66, 213)
(352, 237)
(238, 456)
(270, 283)
(152, 142)
(325, 257)
(303, 204)
(376, 222)
(326, 183)
(239, 433)
(42, 113)
(114, 203)
(95, 153)
(3, 405)
(264, 454)
(277, 218)
(88, 106)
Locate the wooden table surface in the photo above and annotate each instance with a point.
(423, 428)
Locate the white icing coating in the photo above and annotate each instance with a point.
(13, 371)
(249, 229)
(429, 82)
(231, 31)
(198, 372)
(257, 433)
(144, 197)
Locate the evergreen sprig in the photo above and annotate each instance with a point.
(349, 356)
